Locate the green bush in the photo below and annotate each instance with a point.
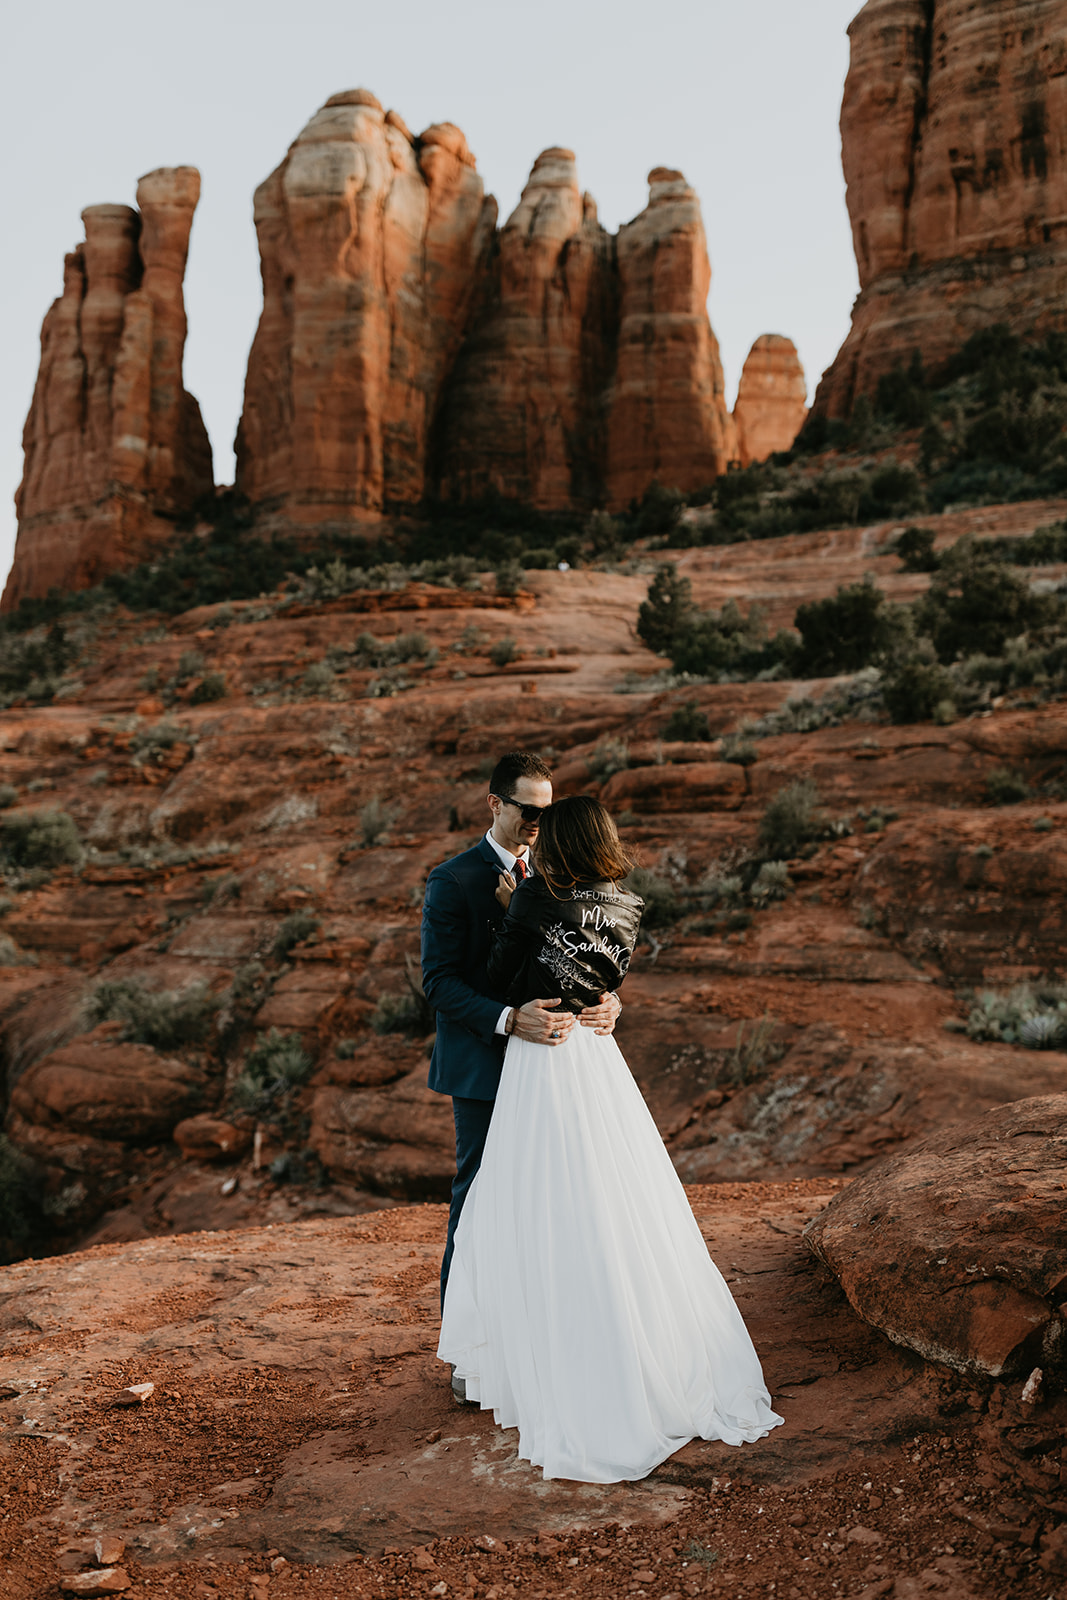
(667, 609)
(975, 604)
(1004, 788)
(297, 927)
(688, 723)
(608, 757)
(915, 547)
(211, 687)
(509, 577)
(731, 644)
(662, 904)
(844, 633)
(916, 685)
(164, 1019)
(39, 839)
(276, 1064)
(791, 820)
(739, 750)
(772, 882)
(657, 514)
(1036, 1018)
(8, 795)
(407, 1012)
(503, 651)
(375, 818)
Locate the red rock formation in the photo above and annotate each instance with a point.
(371, 242)
(957, 179)
(668, 421)
(523, 414)
(949, 1251)
(772, 399)
(114, 445)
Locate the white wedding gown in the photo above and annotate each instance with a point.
(582, 1306)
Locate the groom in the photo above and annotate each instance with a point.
(459, 914)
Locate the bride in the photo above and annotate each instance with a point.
(582, 1306)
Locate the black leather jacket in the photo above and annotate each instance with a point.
(573, 947)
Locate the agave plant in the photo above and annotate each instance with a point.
(1045, 1030)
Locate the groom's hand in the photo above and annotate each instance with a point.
(603, 1016)
(539, 1023)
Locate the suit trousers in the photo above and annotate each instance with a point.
(472, 1118)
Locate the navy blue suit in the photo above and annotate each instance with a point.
(459, 913)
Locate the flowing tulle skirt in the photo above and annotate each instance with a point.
(582, 1306)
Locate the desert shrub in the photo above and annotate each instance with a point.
(344, 1049)
(754, 1052)
(503, 651)
(657, 514)
(190, 662)
(275, 1065)
(212, 686)
(508, 577)
(772, 882)
(608, 757)
(405, 647)
(662, 903)
(164, 735)
(730, 644)
(39, 839)
(164, 1019)
(844, 632)
(319, 678)
(31, 668)
(914, 686)
(538, 560)
(739, 750)
(975, 604)
(687, 722)
(790, 820)
(1036, 1018)
(8, 795)
(1005, 788)
(296, 927)
(375, 818)
(666, 610)
(915, 547)
(902, 394)
(406, 1012)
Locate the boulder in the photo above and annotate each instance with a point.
(108, 1089)
(398, 1140)
(772, 399)
(957, 1247)
(956, 181)
(207, 1138)
(114, 446)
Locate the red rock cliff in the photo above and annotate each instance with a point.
(523, 412)
(956, 166)
(772, 399)
(667, 420)
(371, 245)
(114, 446)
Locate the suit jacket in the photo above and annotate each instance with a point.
(575, 945)
(459, 915)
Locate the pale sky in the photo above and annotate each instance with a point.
(743, 97)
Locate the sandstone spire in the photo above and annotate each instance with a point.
(772, 399)
(371, 243)
(667, 419)
(114, 446)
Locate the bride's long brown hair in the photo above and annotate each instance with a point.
(578, 842)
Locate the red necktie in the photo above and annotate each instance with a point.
(520, 870)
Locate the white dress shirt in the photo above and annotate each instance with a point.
(507, 861)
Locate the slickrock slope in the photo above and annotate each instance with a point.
(956, 169)
(668, 421)
(114, 446)
(371, 245)
(772, 399)
(524, 408)
(300, 1437)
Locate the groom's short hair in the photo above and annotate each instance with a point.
(515, 765)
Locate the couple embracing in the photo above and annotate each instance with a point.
(579, 1302)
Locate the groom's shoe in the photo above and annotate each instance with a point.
(459, 1389)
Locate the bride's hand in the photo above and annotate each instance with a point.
(505, 888)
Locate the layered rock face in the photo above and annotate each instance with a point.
(114, 446)
(524, 411)
(405, 348)
(772, 399)
(952, 146)
(371, 244)
(668, 420)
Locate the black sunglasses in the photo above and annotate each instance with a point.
(529, 813)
